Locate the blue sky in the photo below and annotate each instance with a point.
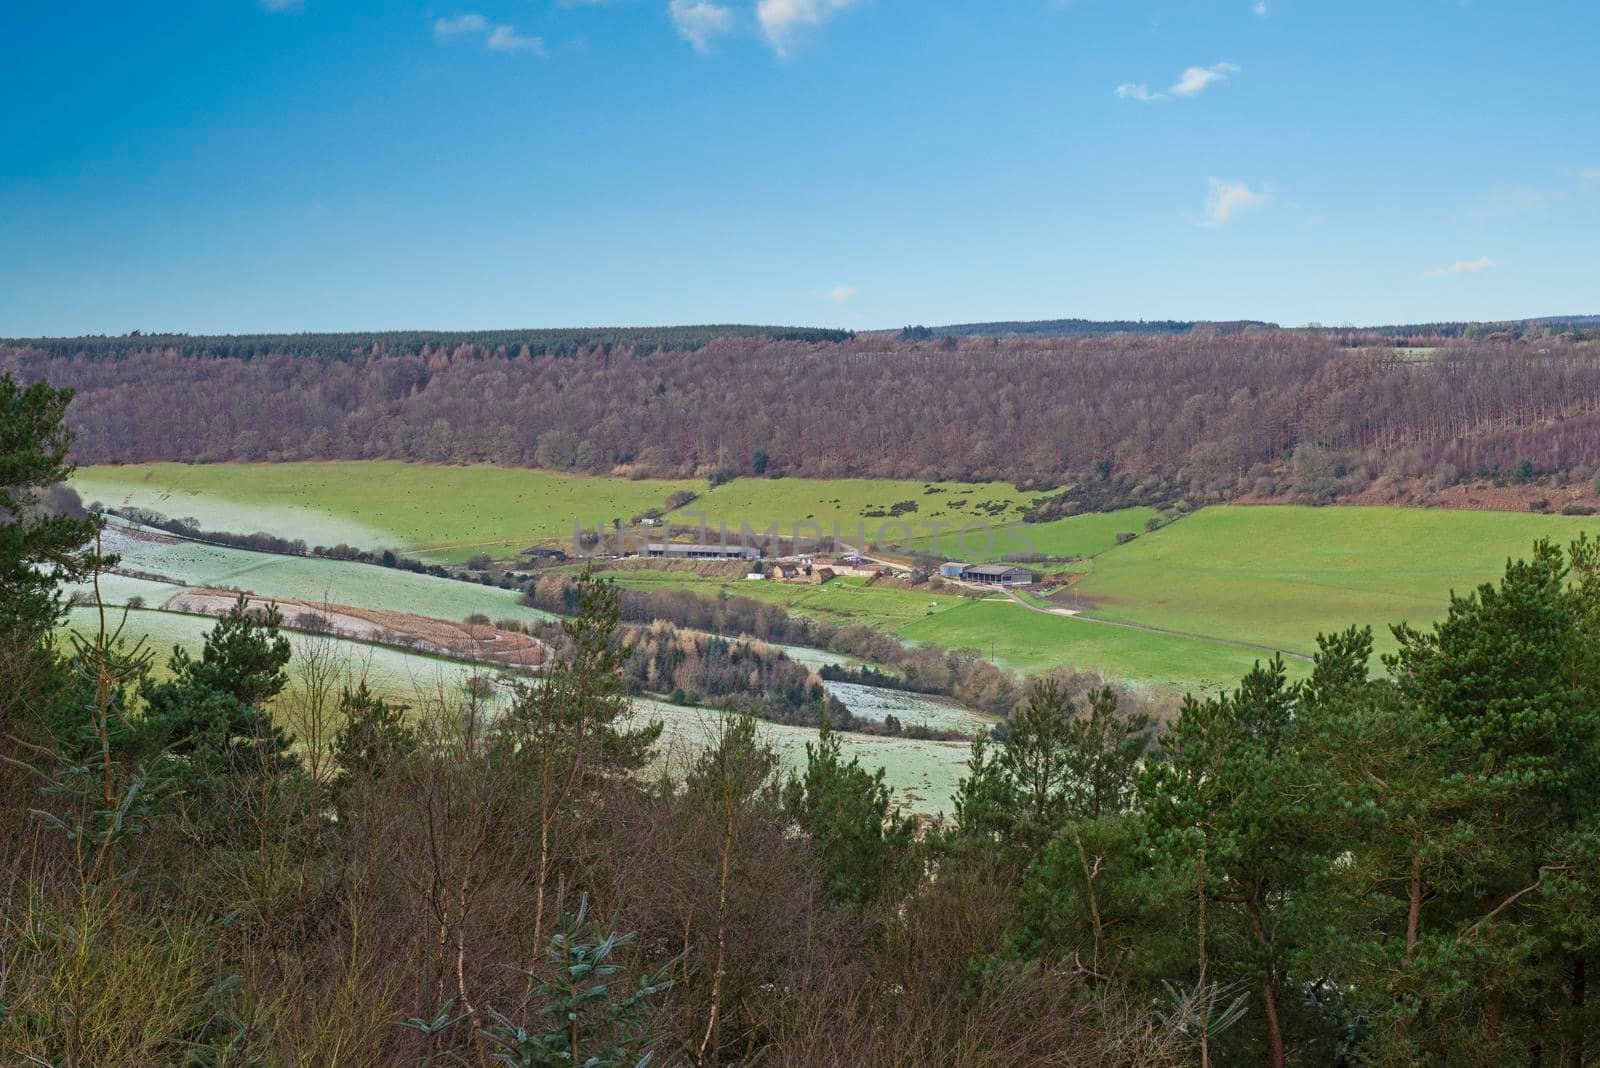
(256, 165)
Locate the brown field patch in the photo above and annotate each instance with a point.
(403, 630)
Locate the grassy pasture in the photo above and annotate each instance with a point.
(1079, 535)
(1029, 641)
(449, 513)
(1019, 639)
(846, 501)
(843, 600)
(441, 513)
(759, 503)
(1278, 575)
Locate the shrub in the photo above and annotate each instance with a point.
(1125, 536)
(313, 623)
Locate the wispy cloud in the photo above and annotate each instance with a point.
(842, 294)
(1482, 263)
(1134, 91)
(1262, 8)
(459, 26)
(496, 38)
(280, 6)
(1225, 200)
(508, 39)
(700, 22)
(1590, 174)
(782, 21)
(1192, 82)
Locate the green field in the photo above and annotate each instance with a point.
(1028, 642)
(1278, 575)
(450, 513)
(1017, 638)
(442, 513)
(1271, 575)
(1079, 535)
(846, 502)
(843, 600)
(303, 578)
(760, 502)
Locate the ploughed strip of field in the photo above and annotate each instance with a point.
(463, 641)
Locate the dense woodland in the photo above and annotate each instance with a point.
(248, 858)
(1312, 414)
(1077, 328)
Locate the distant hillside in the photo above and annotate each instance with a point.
(1549, 324)
(1079, 328)
(544, 342)
(1068, 328)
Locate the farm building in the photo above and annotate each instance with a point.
(691, 551)
(951, 570)
(807, 574)
(999, 575)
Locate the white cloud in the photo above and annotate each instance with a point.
(1591, 174)
(1130, 91)
(1482, 263)
(842, 294)
(500, 38)
(277, 6)
(1195, 80)
(699, 22)
(1226, 199)
(507, 39)
(460, 26)
(1262, 8)
(783, 20)
(1192, 82)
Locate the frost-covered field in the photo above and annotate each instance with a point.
(813, 658)
(400, 677)
(305, 578)
(921, 775)
(206, 493)
(911, 709)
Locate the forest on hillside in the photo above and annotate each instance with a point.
(1318, 414)
(343, 346)
(1079, 328)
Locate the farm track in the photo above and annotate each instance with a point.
(1066, 613)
